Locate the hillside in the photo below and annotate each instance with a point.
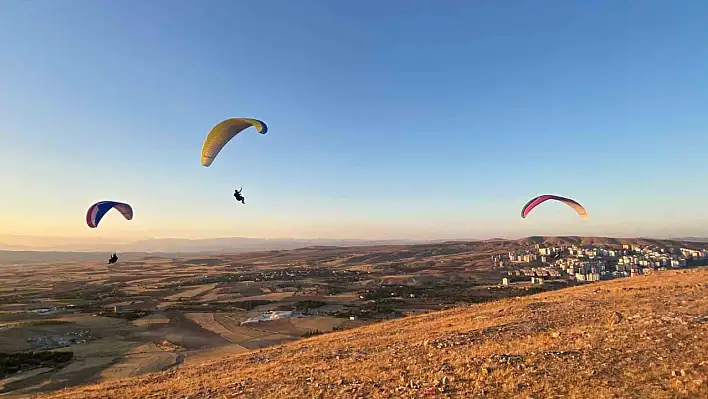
(602, 241)
(643, 337)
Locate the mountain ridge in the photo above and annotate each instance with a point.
(249, 244)
(223, 246)
(187, 245)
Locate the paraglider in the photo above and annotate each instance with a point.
(239, 197)
(543, 198)
(224, 131)
(113, 258)
(97, 211)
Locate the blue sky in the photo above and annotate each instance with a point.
(415, 119)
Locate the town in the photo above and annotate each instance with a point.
(593, 263)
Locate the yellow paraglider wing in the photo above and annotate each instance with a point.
(224, 131)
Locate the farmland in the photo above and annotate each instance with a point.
(151, 314)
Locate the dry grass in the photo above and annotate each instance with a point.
(201, 356)
(321, 323)
(642, 337)
(113, 346)
(140, 363)
(207, 322)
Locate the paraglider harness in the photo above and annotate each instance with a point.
(113, 258)
(239, 197)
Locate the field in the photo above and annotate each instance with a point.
(173, 313)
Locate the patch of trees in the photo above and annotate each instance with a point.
(346, 276)
(47, 322)
(91, 293)
(333, 290)
(11, 363)
(442, 291)
(302, 306)
(384, 305)
(374, 310)
(307, 305)
(248, 305)
(289, 274)
(312, 333)
(125, 314)
(17, 298)
(221, 278)
(298, 285)
(400, 267)
(385, 291)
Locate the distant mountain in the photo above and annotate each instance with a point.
(16, 242)
(226, 245)
(693, 239)
(182, 245)
(59, 250)
(243, 244)
(22, 257)
(177, 247)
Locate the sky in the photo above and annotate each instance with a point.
(397, 119)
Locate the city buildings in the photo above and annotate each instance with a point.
(593, 263)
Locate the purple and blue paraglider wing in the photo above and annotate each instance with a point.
(97, 211)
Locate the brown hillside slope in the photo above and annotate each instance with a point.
(641, 337)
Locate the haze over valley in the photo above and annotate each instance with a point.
(214, 245)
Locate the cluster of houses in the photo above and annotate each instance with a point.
(46, 342)
(593, 263)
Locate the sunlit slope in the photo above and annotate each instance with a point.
(641, 337)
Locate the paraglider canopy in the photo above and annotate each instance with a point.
(534, 202)
(224, 131)
(97, 211)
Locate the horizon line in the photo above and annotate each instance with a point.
(63, 249)
(343, 239)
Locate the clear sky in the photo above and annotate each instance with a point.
(388, 119)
